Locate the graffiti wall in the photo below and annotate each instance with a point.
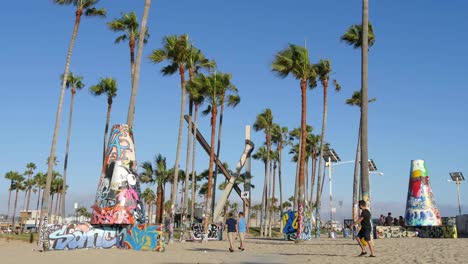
(84, 235)
(421, 208)
(290, 222)
(144, 237)
(214, 232)
(422, 232)
(118, 195)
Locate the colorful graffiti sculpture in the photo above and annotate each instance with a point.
(118, 195)
(145, 237)
(290, 221)
(422, 232)
(421, 208)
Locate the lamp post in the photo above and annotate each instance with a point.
(76, 212)
(457, 177)
(330, 156)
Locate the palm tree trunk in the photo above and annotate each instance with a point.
(67, 148)
(27, 205)
(322, 142)
(59, 195)
(159, 206)
(356, 177)
(194, 182)
(14, 209)
(262, 212)
(149, 215)
(210, 168)
(301, 179)
(187, 172)
(365, 181)
(9, 198)
(306, 178)
(51, 205)
(37, 206)
(50, 165)
(280, 184)
(136, 77)
(272, 204)
(179, 145)
(106, 128)
(269, 201)
(24, 199)
(314, 163)
(296, 183)
(131, 44)
(218, 148)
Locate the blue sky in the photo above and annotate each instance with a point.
(416, 70)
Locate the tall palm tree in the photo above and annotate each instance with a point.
(313, 145)
(108, 87)
(356, 101)
(275, 158)
(10, 176)
(30, 167)
(87, 8)
(136, 76)
(358, 38)
(324, 71)
(40, 180)
(75, 83)
(231, 100)
(280, 139)
(176, 50)
(263, 155)
(264, 122)
(128, 24)
(195, 62)
(295, 60)
(213, 87)
(17, 180)
(28, 187)
(148, 197)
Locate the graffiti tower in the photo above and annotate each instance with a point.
(421, 208)
(118, 194)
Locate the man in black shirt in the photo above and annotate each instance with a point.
(366, 229)
(231, 230)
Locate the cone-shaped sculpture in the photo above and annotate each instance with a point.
(118, 194)
(421, 208)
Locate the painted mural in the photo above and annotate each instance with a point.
(144, 237)
(118, 195)
(421, 208)
(422, 232)
(214, 232)
(290, 223)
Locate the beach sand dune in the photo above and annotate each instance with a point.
(325, 250)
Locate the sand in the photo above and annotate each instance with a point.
(325, 250)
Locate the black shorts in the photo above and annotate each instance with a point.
(364, 233)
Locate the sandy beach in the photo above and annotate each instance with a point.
(325, 250)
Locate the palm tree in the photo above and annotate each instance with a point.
(40, 181)
(263, 155)
(356, 100)
(324, 70)
(274, 157)
(10, 176)
(28, 187)
(231, 100)
(264, 122)
(87, 8)
(213, 87)
(107, 86)
(362, 36)
(280, 139)
(195, 62)
(148, 197)
(136, 76)
(295, 60)
(30, 167)
(17, 182)
(75, 83)
(176, 51)
(128, 24)
(81, 211)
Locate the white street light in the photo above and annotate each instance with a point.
(457, 177)
(330, 156)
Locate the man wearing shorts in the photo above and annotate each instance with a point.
(366, 230)
(242, 228)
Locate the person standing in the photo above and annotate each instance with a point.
(242, 228)
(389, 219)
(366, 229)
(231, 230)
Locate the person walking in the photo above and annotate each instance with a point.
(366, 229)
(231, 230)
(242, 228)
